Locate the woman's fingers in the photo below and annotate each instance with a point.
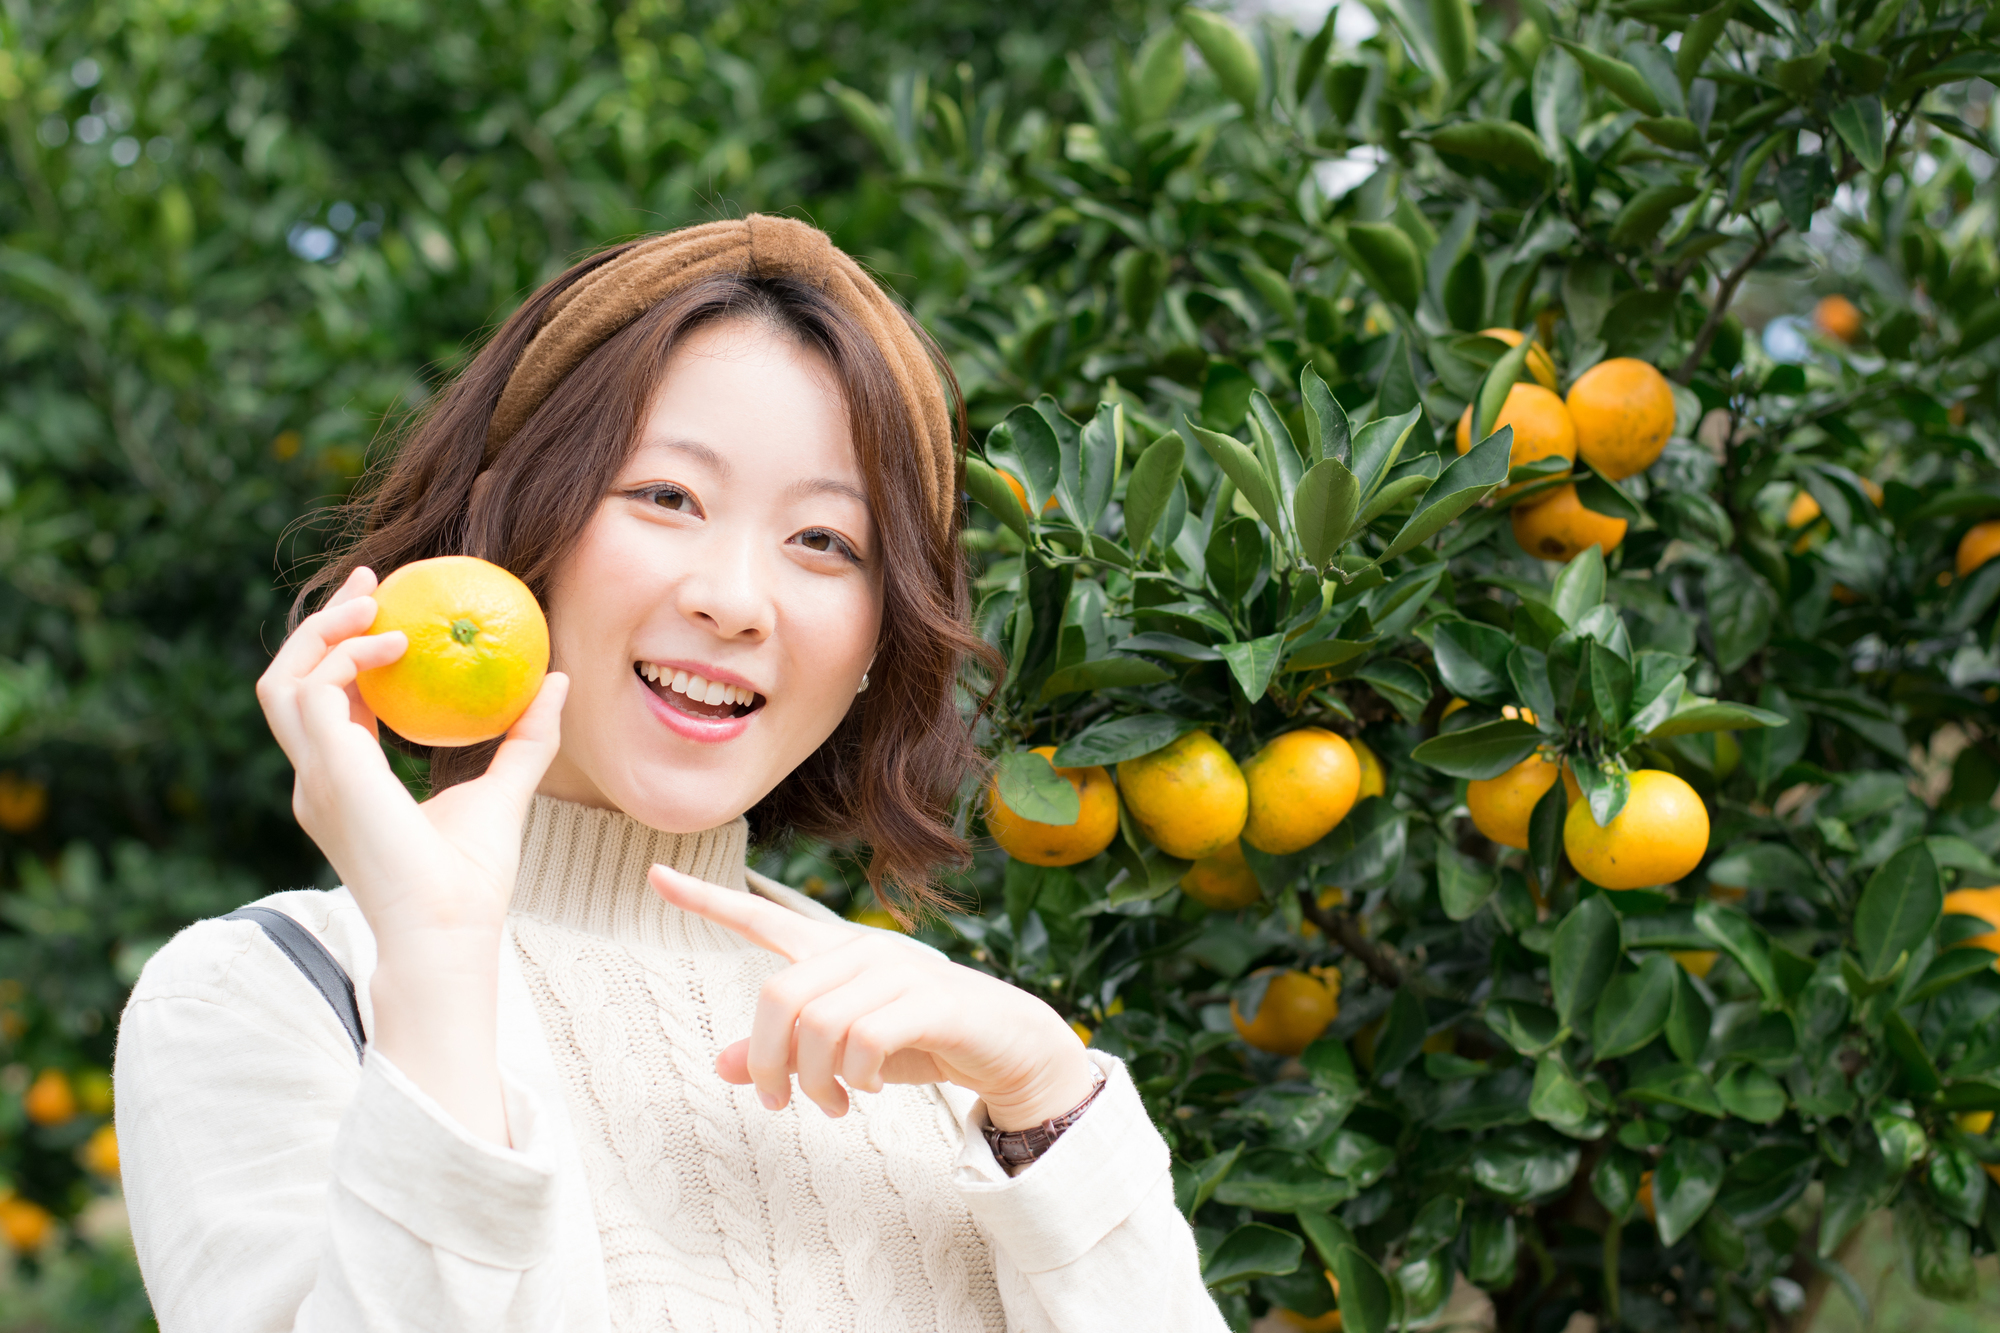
(764, 924)
(360, 583)
(531, 744)
(823, 1029)
(775, 1032)
(885, 1045)
(318, 633)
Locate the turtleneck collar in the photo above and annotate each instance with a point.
(585, 868)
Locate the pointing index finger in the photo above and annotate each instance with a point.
(765, 924)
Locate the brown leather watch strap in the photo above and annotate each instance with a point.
(1015, 1149)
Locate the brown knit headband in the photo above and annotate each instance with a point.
(615, 293)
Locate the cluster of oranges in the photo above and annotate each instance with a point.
(55, 1098)
(1196, 803)
(1660, 835)
(1618, 417)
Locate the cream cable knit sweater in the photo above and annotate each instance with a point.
(275, 1185)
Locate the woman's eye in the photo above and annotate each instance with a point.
(674, 498)
(819, 539)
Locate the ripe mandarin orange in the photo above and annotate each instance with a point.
(1839, 317)
(1021, 492)
(49, 1100)
(1502, 806)
(1188, 797)
(1058, 844)
(1374, 778)
(1624, 414)
(25, 1223)
(1297, 1007)
(1539, 365)
(1804, 509)
(1980, 544)
(1984, 904)
(1560, 528)
(1542, 428)
(100, 1152)
(1329, 1322)
(1301, 784)
(1697, 961)
(23, 802)
(479, 648)
(1658, 837)
(1223, 880)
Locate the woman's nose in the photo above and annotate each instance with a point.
(729, 590)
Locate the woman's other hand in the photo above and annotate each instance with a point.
(433, 879)
(862, 1007)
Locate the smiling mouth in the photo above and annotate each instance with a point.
(691, 694)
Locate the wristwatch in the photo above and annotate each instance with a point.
(1015, 1149)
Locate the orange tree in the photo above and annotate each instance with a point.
(1627, 984)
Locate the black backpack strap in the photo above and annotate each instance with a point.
(328, 977)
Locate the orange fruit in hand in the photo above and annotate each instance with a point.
(1560, 528)
(49, 1100)
(1301, 784)
(1624, 414)
(1188, 797)
(1501, 807)
(1839, 317)
(1223, 880)
(1058, 844)
(1374, 778)
(1539, 365)
(1297, 1007)
(1980, 544)
(100, 1151)
(24, 1223)
(1658, 837)
(479, 648)
(1542, 428)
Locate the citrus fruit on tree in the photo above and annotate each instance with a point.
(1838, 317)
(1560, 528)
(1980, 544)
(1189, 797)
(1301, 784)
(23, 802)
(1330, 1322)
(93, 1091)
(1296, 1008)
(1697, 961)
(1058, 844)
(1082, 1030)
(1984, 904)
(1804, 509)
(1501, 807)
(1374, 778)
(1624, 415)
(1658, 837)
(1539, 365)
(49, 1100)
(1223, 880)
(1542, 428)
(479, 648)
(24, 1223)
(1328, 899)
(1021, 493)
(99, 1153)
(877, 918)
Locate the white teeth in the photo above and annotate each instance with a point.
(679, 683)
(697, 688)
(716, 690)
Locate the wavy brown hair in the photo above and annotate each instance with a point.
(890, 771)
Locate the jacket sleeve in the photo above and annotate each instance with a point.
(1088, 1238)
(275, 1186)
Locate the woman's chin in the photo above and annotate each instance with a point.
(673, 799)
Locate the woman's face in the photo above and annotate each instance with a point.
(719, 612)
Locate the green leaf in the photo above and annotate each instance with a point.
(1155, 478)
(1496, 386)
(1161, 73)
(1522, 1165)
(1465, 481)
(1327, 653)
(1699, 38)
(1228, 55)
(1959, 1182)
(1767, 865)
(1628, 85)
(1684, 1185)
(1194, 1186)
(1676, 1085)
(1484, 751)
(1743, 941)
(1646, 212)
(1692, 714)
(1327, 1233)
(1601, 495)
(1939, 1250)
(1472, 659)
(1027, 435)
(1920, 1072)
(1900, 906)
(1504, 143)
(1558, 1100)
(1387, 258)
(1859, 124)
(1751, 1094)
(1033, 790)
(1464, 885)
(1689, 1023)
(1121, 739)
(1402, 684)
(1324, 507)
(1326, 423)
(1378, 445)
(1242, 466)
(1365, 1303)
(1105, 673)
(1234, 557)
(1494, 1245)
(1768, 753)
(1579, 589)
(1090, 466)
(1402, 1036)
(1582, 956)
(1545, 834)
(1948, 970)
(1253, 1250)
(1527, 1027)
(1611, 692)
(1251, 664)
(991, 490)
(1635, 1008)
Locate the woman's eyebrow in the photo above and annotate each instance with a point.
(708, 457)
(806, 487)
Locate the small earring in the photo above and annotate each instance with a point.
(864, 682)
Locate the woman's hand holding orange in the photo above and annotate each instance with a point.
(432, 879)
(863, 1008)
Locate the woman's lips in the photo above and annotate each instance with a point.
(712, 723)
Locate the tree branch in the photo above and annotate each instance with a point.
(1725, 293)
(1343, 927)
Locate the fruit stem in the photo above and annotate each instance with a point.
(1341, 926)
(464, 631)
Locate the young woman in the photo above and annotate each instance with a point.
(723, 460)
